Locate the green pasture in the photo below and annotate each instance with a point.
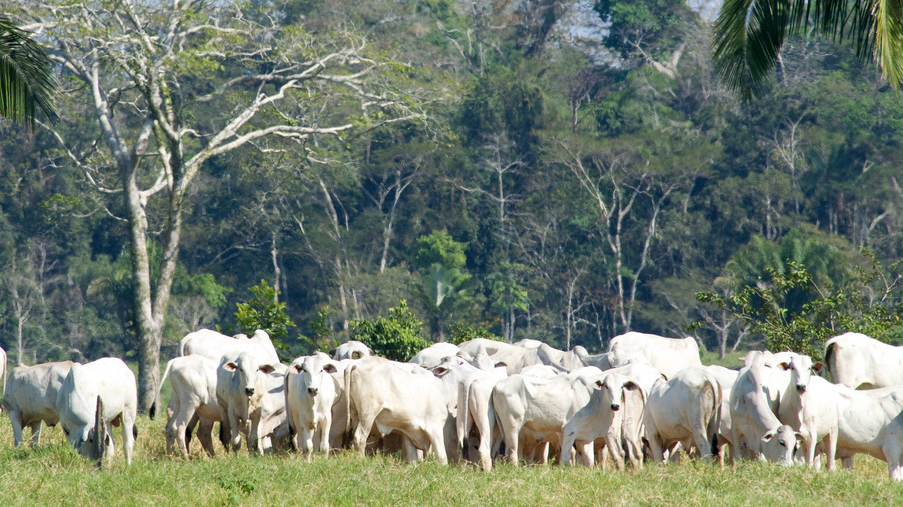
(54, 474)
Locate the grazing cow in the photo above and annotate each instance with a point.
(809, 406)
(564, 361)
(399, 397)
(860, 362)
(193, 401)
(667, 355)
(612, 417)
(515, 357)
(310, 393)
(683, 410)
(871, 422)
(756, 431)
(251, 397)
(30, 397)
(107, 379)
(213, 345)
(433, 355)
(352, 349)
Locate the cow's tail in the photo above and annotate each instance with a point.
(152, 411)
(831, 360)
(715, 420)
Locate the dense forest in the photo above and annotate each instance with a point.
(563, 171)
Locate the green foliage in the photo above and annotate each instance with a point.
(397, 337)
(438, 247)
(869, 304)
(264, 311)
(322, 338)
(461, 332)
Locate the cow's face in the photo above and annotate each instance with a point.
(613, 386)
(780, 445)
(315, 372)
(800, 368)
(246, 371)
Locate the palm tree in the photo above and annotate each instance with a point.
(749, 35)
(27, 82)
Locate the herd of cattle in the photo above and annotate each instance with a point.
(647, 397)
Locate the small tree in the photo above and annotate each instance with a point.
(398, 337)
(861, 306)
(265, 311)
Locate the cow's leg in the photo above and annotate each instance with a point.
(511, 435)
(325, 428)
(362, 431)
(655, 444)
(128, 437)
(16, 421)
(437, 444)
(832, 450)
(305, 438)
(586, 451)
(36, 434)
(205, 435)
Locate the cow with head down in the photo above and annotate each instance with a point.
(251, 396)
(352, 349)
(30, 397)
(310, 393)
(106, 383)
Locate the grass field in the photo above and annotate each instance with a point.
(54, 474)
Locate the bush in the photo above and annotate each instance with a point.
(398, 337)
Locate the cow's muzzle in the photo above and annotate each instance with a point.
(615, 406)
(249, 391)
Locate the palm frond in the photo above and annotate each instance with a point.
(27, 82)
(748, 37)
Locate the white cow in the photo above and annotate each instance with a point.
(756, 431)
(871, 422)
(515, 357)
(112, 381)
(398, 397)
(809, 406)
(860, 362)
(352, 349)
(433, 355)
(667, 355)
(30, 397)
(213, 345)
(545, 406)
(560, 359)
(476, 415)
(612, 417)
(193, 401)
(310, 393)
(685, 410)
(251, 397)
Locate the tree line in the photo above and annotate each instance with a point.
(474, 163)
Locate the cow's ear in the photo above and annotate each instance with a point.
(784, 366)
(330, 368)
(440, 371)
(598, 384)
(298, 368)
(501, 363)
(231, 366)
(818, 367)
(356, 354)
(267, 368)
(768, 436)
(631, 385)
(742, 360)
